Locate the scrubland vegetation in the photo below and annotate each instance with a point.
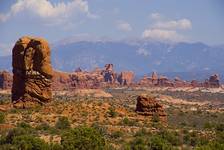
(75, 122)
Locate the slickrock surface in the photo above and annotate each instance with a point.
(32, 72)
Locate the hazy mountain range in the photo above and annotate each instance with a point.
(188, 60)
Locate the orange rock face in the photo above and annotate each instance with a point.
(5, 80)
(148, 106)
(32, 71)
(126, 77)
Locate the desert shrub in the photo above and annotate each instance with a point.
(24, 125)
(127, 122)
(171, 136)
(220, 127)
(208, 125)
(154, 142)
(155, 118)
(82, 138)
(2, 117)
(56, 147)
(29, 142)
(211, 146)
(158, 143)
(138, 143)
(62, 123)
(22, 139)
(117, 134)
(102, 130)
(112, 113)
(141, 132)
(14, 133)
(43, 126)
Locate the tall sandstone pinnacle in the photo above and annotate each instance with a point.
(32, 72)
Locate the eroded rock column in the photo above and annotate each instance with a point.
(32, 72)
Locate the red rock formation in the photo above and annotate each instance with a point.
(195, 83)
(180, 83)
(86, 80)
(164, 81)
(32, 72)
(126, 77)
(148, 106)
(214, 81)
(154, 78)
(109, 75)
(61, 81)
(149, 81)
(5, 80)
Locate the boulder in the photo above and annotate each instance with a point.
(32, 72)
(149, 106)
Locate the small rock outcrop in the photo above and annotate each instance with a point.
(109, 74)
(32, 72)
(125, 77)
(5, 80)
(148, 106)
(214, 81)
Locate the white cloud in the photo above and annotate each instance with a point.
(155, 16)
(47, 10)
(124, 26)
(164, 29)
(161, 35)
(142, 51)
(174, 24)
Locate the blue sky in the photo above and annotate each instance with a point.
(162, 20)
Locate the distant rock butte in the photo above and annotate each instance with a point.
(148, 106)
(126, 78)
(5, 80)
(163, 81)
(95, 79)
(32, 72)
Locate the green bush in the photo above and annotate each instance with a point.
(2, 117)
(155, 118)
(83, 138)
(29, 142)
(24, 125)
(43, 126)
(220, 127)
(158, 143)
(112, 113)
(154, 142)
(211, 146)
(127, 122)
(62, 123)
(14, 133)
(117, 134)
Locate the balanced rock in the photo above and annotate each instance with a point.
(32, 72)
(148, 106)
